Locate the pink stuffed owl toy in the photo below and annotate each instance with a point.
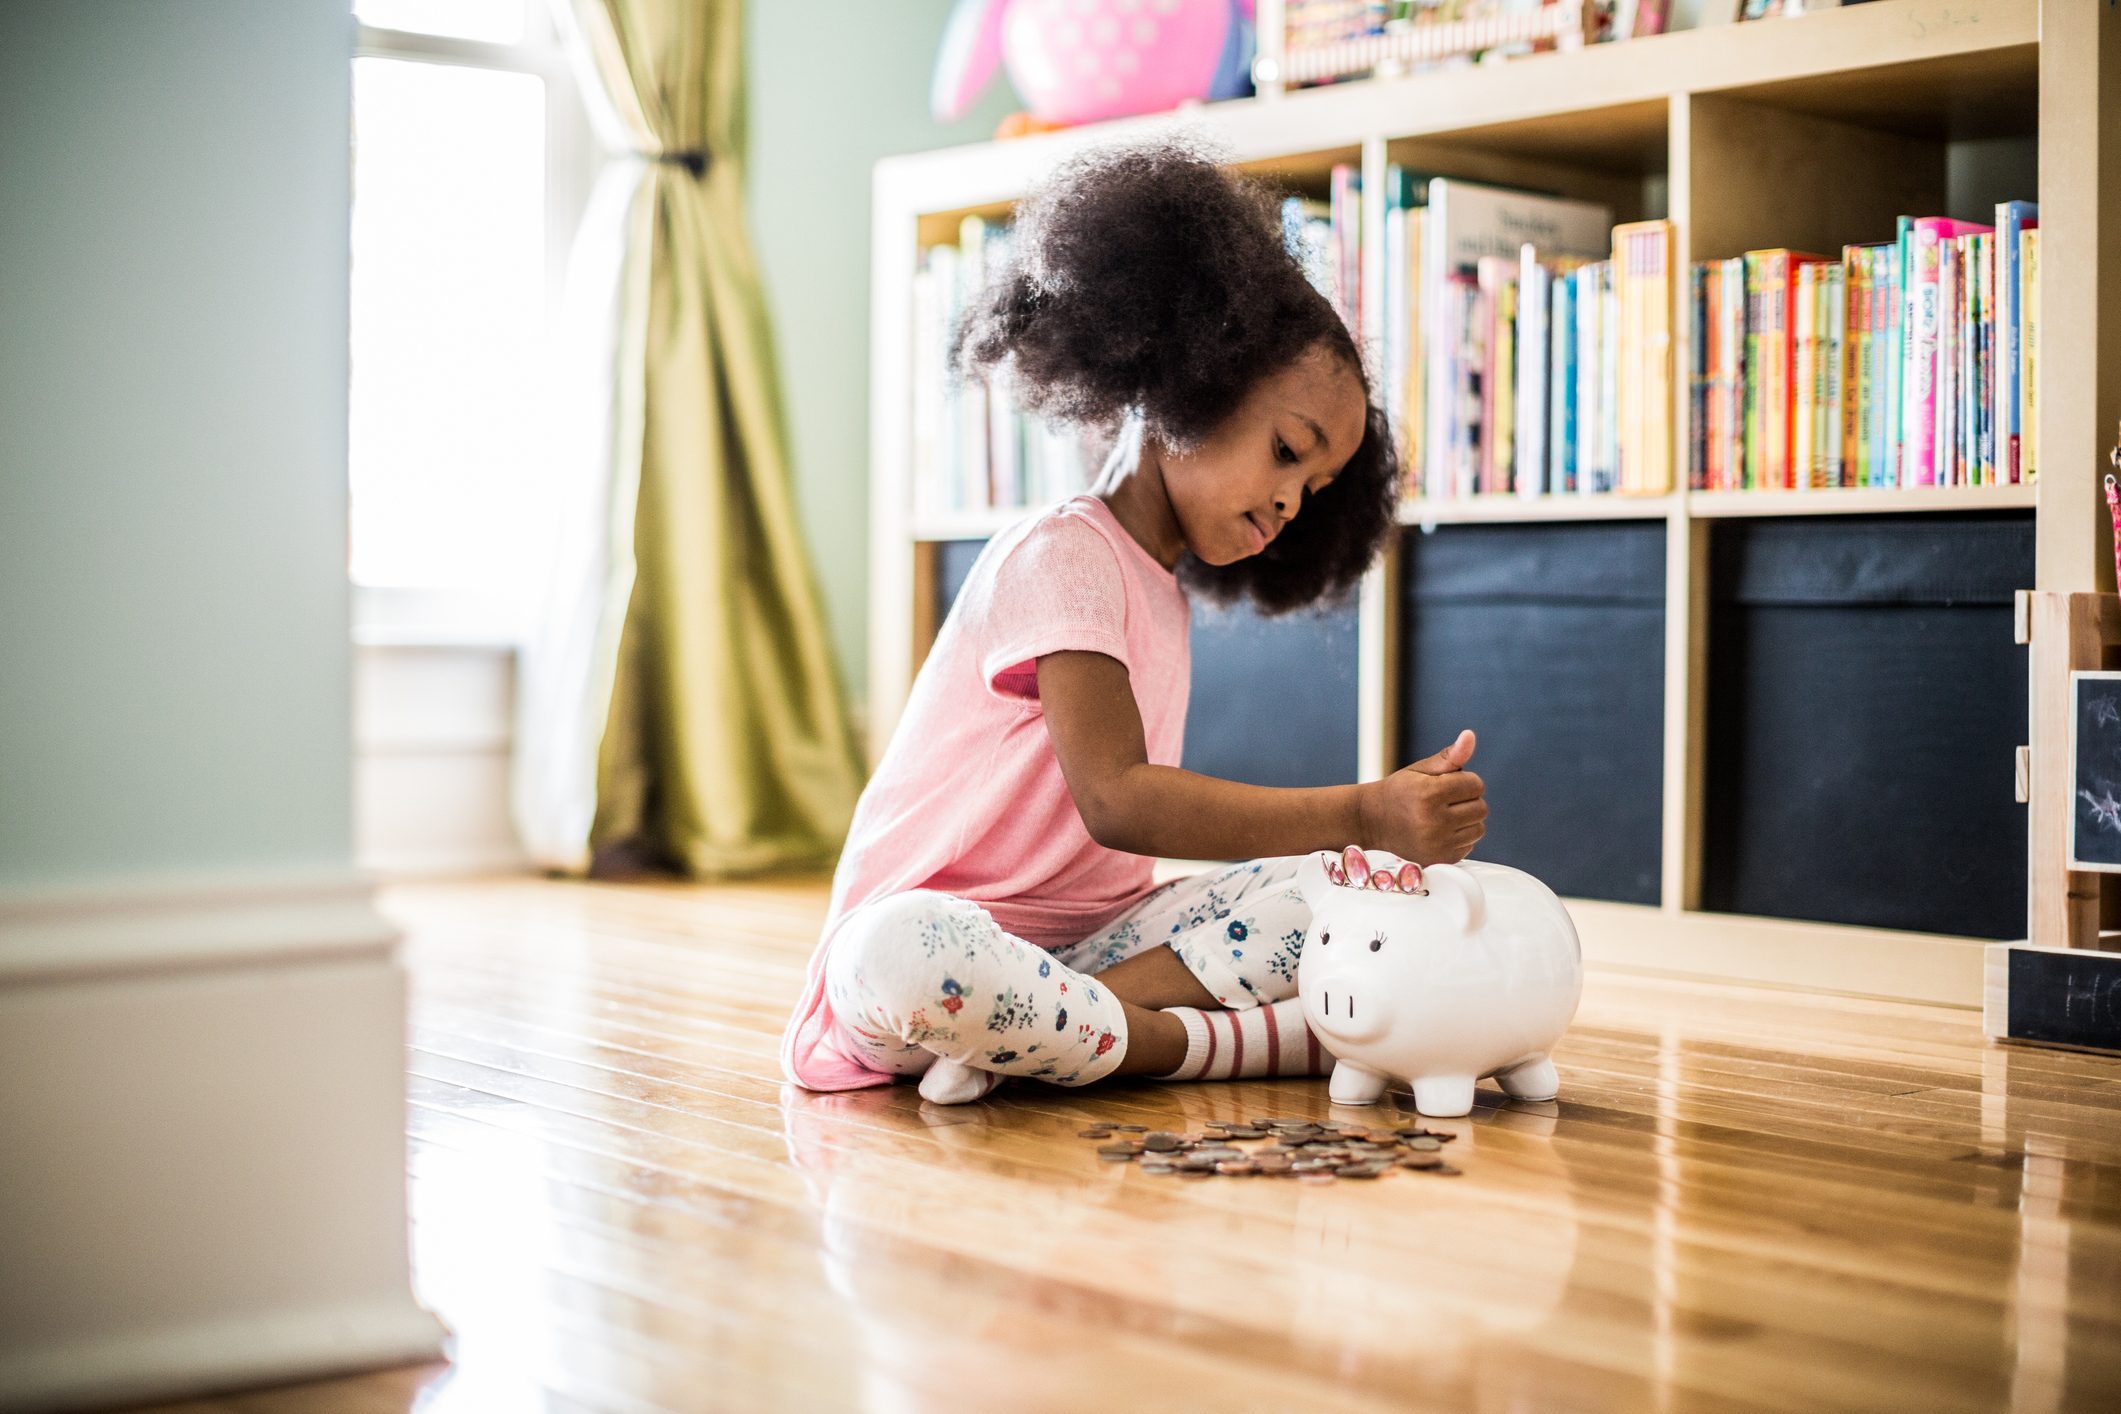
(1080, 61)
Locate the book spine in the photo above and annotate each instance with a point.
(1983, 381)
(1901, 409)
(1531, 441)
(1804, 370)
(2013, 219)
(1561, 327)
(1588, 342)
(1833, 298)
(1919, 372)
(973, 492)
(1697, 458)
(1417, 368)
(1755, 324)
(1885, 367)
(1503, 463)
(1471, 356)
(1736, 374)
(1856, 391)
(2029, 355)
(2003, 363)
(1657, 403)
(1627, 292)
(1395, 240)
(1609, 358)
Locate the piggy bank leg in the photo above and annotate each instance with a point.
(1443, 1096)
(1532, 1079)
(1354, 1085)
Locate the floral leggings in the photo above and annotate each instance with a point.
(924, 974)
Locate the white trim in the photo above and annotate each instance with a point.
(448, 864)
(184, 923)
(274, 1348)
(1781, 953)
(401, 616)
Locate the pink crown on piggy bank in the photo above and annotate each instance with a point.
(1351, 868)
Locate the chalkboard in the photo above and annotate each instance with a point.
(2069, 997)
(2095, 771)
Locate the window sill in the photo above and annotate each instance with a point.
(434, 618)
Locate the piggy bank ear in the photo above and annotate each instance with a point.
(1311, 879)
(1460, 895)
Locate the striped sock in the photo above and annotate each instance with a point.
(1263, 1040)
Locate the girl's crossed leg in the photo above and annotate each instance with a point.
(924, 976)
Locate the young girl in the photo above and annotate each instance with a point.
(992, 914)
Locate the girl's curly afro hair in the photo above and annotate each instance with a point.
(1152, 282)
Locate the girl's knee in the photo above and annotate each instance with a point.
(871, 959)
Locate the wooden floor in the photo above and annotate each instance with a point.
(1743, 1199)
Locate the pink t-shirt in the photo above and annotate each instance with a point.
(969, 798)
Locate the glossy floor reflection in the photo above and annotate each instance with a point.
(1743, 1199)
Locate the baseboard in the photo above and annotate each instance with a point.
(207, 1357)
(204, 1113)
(1781, 953)
(180, 922)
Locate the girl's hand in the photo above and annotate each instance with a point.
(1432, 812)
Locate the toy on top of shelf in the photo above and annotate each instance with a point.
(1082, 61)
(1439, 976)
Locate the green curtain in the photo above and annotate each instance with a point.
(726, 746)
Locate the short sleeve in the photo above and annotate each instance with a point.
(1059, 589)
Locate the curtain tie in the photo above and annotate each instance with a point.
(692, 159)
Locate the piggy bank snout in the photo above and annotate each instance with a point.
(1349, 1006)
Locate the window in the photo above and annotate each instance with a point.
(471, 162)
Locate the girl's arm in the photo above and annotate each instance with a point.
(1430, 812)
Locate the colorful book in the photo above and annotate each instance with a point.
(1770, 284)
(2013, 218)
(1857, 390)
(1590, 378)
(1468, 221)
(1804, 375)
(1534, 293)
(1344, 201)
(1832, 321)
(1920, 320)
(2029, 354)
(1608, 378)
(1498, 447)
(1642, 258)
(1701, 298)
(1732, 349)
(1561, 402)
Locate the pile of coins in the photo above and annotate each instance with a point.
(1302, 1149)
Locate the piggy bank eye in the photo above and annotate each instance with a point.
(1324, 938)
(1377, 942)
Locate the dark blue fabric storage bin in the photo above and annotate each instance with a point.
(1548, 641)
(1865, 700)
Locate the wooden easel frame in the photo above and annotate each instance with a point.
(2065, 633)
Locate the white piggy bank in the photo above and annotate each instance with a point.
(1437, 976)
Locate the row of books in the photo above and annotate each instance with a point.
(1525, 348)
(1910, 362)
(1526, 342)
(972, 448)
(1388, 35)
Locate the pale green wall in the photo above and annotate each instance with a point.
(834, 85)
(173, 256)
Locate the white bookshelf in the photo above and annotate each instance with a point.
(1809, 132)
